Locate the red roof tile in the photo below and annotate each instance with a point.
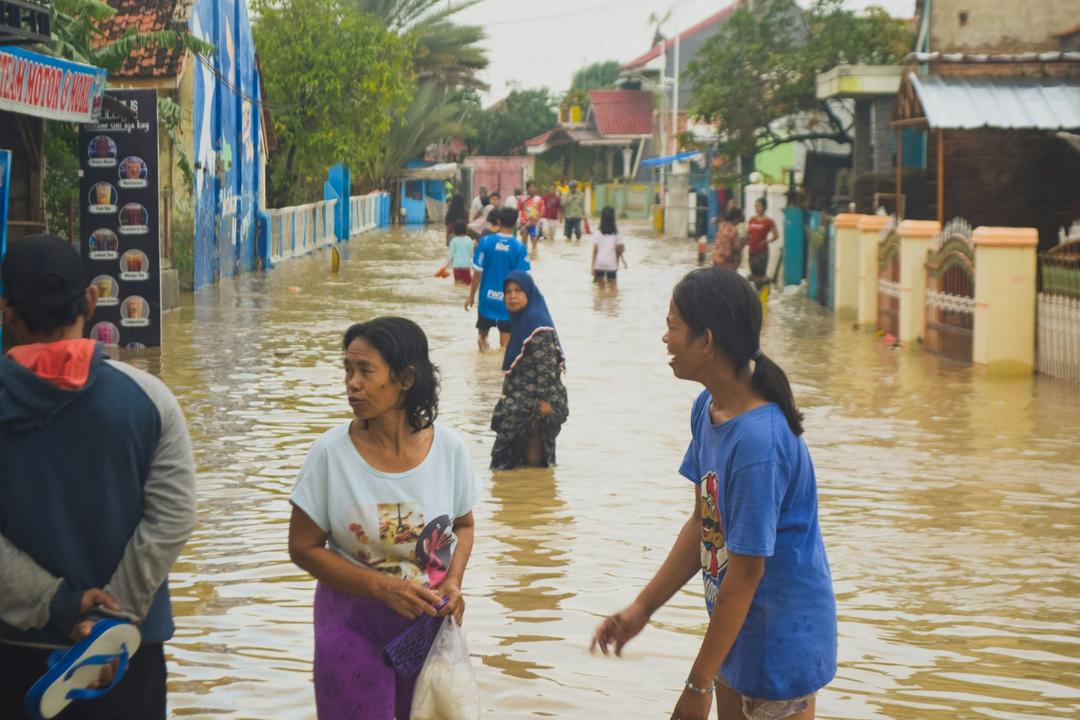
(622, 112)
(539, 139)
(706, 24)
(147, 16)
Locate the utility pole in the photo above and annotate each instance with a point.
(675, 89)
(663, 96)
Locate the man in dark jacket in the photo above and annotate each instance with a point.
(97, 486)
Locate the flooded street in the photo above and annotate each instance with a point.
(950, 502)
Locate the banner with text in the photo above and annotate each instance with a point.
(119, 220)
(48, 87)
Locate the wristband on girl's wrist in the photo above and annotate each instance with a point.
(696, 690)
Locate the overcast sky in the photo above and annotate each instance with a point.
(542, 43)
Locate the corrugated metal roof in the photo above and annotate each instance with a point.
(962, 103)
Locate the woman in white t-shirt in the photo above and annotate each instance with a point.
(607, 250)
(382, 517)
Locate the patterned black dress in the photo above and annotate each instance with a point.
(536, 376)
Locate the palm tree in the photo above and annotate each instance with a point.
(446, 62)
(444, 50)
(432, 115)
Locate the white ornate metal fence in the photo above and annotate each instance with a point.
(1058, 350)
(299, 230)
(364, 213)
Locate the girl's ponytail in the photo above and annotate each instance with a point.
(770, 381)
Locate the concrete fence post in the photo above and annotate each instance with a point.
(846, 270)
(870, 228)
(916, 237)
(1005, 288)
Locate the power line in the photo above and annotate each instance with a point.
(240, 93)
(580, 11)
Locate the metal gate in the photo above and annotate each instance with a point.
(888, 319)
(950, 293)
(1058, 348)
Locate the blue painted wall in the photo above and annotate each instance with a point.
(227, 150)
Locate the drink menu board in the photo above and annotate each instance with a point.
(119, 220)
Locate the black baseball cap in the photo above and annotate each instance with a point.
(42, 270)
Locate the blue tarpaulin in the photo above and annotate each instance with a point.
(668, 159)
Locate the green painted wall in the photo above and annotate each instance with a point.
(772, 162)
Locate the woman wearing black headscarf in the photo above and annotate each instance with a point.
(533, 406)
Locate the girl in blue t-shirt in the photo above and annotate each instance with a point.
(753, 534)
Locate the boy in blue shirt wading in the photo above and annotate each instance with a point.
(753, 534)
(496, 256)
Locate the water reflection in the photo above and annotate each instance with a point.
(949, 500)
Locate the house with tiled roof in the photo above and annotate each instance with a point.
(212, 198)
(659, 60)
(614, 124)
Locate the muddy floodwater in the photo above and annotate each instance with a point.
(950, 501)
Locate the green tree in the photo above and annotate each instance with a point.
(444, 51)
(756, 77)
(596, 76)
(503, 128)
(337, 79)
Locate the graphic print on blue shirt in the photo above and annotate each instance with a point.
(496, 256)
(713, 552)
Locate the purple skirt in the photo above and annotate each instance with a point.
(352, 682)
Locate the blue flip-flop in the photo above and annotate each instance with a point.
(72, 671)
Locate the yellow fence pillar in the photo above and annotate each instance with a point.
(1005, 287)
(915, 239)
(846, 269)
(870, 227)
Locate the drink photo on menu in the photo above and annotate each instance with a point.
(101, 152)
(104, 245)
(132, 172)
(102, 199)
(106, 333)
(108, 290)
(134, 220)
(134, 265)
(134, 312)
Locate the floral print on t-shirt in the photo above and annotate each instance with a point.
(404, 545)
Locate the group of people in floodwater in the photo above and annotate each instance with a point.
(382, 511)
(383, 507)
